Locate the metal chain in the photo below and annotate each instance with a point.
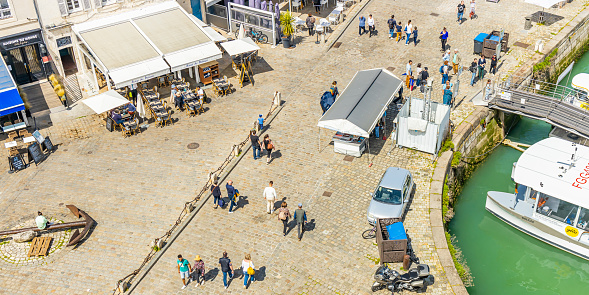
(185, 211)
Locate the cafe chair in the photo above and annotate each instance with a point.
(161, 81)
(13, 135)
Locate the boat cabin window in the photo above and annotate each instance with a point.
(557, 209)
(583, 222)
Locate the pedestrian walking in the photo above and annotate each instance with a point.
(408, 74)
(473, 70)
(198, 271)
(183, 270)
(482, 62)
(260, 122)
(256, 145)
(317, 4)
(216, 194)
(301, 217)
(270, 197)
(488, 89)
(493, 68)
(232, 193)
(310, 21)
(415, 36)
(399, 28)
(447, 98)
(423, 82)
(362, 25)
(460, 11)
(444, 71)
(472, 9)
(444, 38)
(392, 26)
(334, 90)
(226, 268)
(408, 31)
(446, 56)
(283, 215)
(269, 146)
(418, 71)
(456, 59)
(370, 23)
(247, 266)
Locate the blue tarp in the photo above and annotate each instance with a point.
(396, 231)
(10, 100)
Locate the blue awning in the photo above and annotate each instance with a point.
(10, 100)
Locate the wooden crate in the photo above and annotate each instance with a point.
(40, 246)
(392, 256)
(488, 53)
(389, 251)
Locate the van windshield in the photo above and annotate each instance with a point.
(389, 196)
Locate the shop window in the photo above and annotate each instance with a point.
(557, 209)
(5, 9)
(73, 5)
(583, 222)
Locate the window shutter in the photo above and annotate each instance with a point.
(62, 7)
(98, 3)
(87, 5)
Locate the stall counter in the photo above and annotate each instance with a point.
(349, 144)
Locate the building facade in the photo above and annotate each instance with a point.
(21, 41)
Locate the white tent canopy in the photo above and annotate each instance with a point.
(544, 3)
(105, 101)
(145, 43)
(362, 103)
(240, 46)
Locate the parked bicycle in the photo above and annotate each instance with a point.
(257, 36)
(369, 233)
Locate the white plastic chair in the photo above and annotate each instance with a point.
(296, 4)
(323, 3)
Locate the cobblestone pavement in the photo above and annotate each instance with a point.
(136, 187)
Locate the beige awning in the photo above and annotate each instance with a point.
(133, 46)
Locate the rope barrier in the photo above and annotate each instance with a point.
(187, 209)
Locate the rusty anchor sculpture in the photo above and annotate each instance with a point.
(76, 236)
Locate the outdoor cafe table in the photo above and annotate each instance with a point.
(221, 85)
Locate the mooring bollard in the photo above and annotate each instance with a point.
(212, 177)
(236, 150)
(276, 100)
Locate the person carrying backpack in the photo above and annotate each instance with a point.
(473, 69)
(216, 194)
(392, 26)
(283, 215)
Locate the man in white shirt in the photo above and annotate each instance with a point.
(370, 23)
(270, 196)
(201, 94)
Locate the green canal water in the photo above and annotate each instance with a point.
(502, 259)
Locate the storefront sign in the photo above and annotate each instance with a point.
(21, 40)
(63, 41)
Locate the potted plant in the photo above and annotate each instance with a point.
(286, 21)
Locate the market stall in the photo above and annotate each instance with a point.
(359, 108)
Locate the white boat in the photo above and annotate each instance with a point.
(551, 199)
(580, 83)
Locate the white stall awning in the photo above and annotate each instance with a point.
(133, 46)
(184, 59)
(214, 34)
(105, 101)
(362, 103)
(240, 46)
(544, 3)
(138, 72)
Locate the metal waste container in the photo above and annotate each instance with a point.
(478, 43)
(528, 24)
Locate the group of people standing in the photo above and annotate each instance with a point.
(416, 77)
(477, 68)
(397, 31)
(196, 272)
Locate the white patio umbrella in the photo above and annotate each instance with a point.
(544, 4)
(140, 108)
(241, 33)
